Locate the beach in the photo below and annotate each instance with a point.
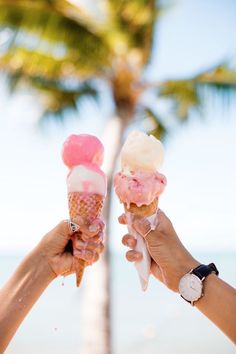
(157, 321)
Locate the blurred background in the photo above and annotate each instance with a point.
(106, 67)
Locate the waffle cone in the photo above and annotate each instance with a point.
(144, 210)
(83, 208)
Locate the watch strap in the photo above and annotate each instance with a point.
(202, 271)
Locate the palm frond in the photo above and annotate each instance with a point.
(38, 63)
(57, 102)
(220, 81)
(56, 96)
(132, 25)
(191, 93)
(221, 75)
(62, 7)
(43, 28)
(184, 95)
(158, 129)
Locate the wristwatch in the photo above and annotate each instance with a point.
(191, 284)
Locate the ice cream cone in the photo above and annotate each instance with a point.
(143, 210)
(79, 265)
(83, 208)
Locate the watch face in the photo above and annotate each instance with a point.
(190, 287)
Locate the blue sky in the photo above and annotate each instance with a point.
(200, 162)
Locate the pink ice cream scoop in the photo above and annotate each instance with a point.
(83, 148)
(140, 187)
(83, 154)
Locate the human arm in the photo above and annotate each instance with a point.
(44, 263)
(171, 260)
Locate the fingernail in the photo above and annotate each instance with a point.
(129, 243)
(93, 228)
(136, 256)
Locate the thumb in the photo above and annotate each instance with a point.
(142, 226)
(63, 230)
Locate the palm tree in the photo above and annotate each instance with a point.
(64, 51)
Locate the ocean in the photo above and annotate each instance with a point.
(157, 321)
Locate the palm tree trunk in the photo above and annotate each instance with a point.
(96, 303)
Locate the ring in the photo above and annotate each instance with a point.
(150, 229)
(153, 223)
(73, 226)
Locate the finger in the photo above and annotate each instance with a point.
(94, 247)
(85, 238)
(89, 258)
(84, 254)
(133, 256)
(100, 248)
(80, 244)
(129, 241)
(95, 258)
(88, 245)
(93, 229)
(98, 238)
(142, 226)
(122, 219)
(63, 230)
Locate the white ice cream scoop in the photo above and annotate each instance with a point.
(141, 152)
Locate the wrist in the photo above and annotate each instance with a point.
(186, 263)
(40, 264)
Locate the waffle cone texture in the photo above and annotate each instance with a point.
(83, 208)
(143, 210)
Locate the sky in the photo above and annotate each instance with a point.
(200, 162)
